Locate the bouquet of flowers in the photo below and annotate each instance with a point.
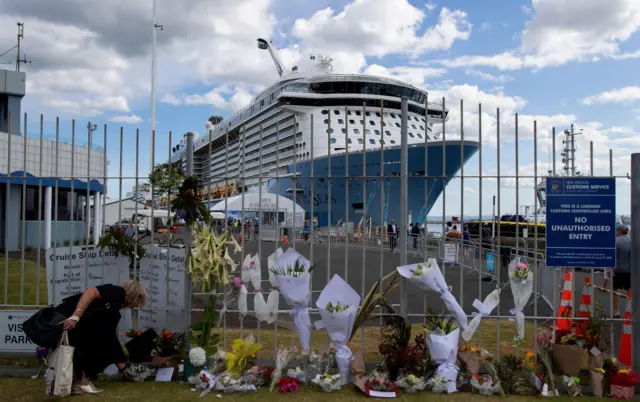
(204, 381)
(484, 384)
(397, 354)
(283, 357)
(380, 382)
(293, 272)
(227, 383)
(266, 311)
(517, 375)
(521, 280)
(411, 383)
(589, 332)
(197, 357)
(242, 350)
(469, 356)
(328, 382)
(315, 364)
(218, 362)
(132, 333)
(338, 306)
(545, 351)
(169, 343)
(255, 376)
(568, 354)
(289, 384)
(572, 384)
(443, 335)
(439, 384)
(427, 276)
(623, 384)
(484, 309)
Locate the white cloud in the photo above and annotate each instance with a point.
(89, 107)
(488, 77)
(622, 95)
(222, 97)
(594, 30)
(415, 76)
(381, 27)
(127, 119)
(430, 5)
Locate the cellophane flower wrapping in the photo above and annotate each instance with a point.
(272, 261)
(255, 376)
(521, 280)
(283, 357)
(226, 383)
(484, 309)
(340, 324)
(438, 384)
(327, 382)
(297, 373)
(444, 349)
(204, 381)
(427, 276)
(411, 383)
(217, 363)
(295, 290)
(265, 311)
(315, 364)
(485, 385)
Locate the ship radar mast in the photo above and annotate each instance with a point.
(323, 62)
(264, 45)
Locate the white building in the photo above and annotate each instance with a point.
(42, 199)
(114, 211)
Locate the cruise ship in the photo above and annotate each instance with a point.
(339, 135)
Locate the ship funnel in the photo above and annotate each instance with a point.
(264, 45)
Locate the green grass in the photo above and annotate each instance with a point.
(20, 390)
(25, 284)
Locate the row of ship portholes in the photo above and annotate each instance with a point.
(369, 114)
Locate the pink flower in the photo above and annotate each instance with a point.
(289, 387)
(236, 282)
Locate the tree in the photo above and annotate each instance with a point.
(166, 179)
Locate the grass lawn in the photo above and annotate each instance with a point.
(20, 390)
(26, 282)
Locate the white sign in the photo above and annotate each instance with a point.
(12, 338)
(450, 253)
(162, 273)
(71, 270)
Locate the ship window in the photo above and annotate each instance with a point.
(344, 131)
(360, 141)
(411, 135)
(414, 126)
(325, 112)
(358, 113)
(361, 121)
(340, 121)
(336, 112)
(356, 131)
(382, 142)
(368, 114)
(420, 136)
(333, 140)
(349, 112)
(377, 132)
(367, 131)
(262, 103)
(393, 115)
(421, 128)
(326, 121)
(393, 141)
(387, 132)
(415, 118)
(351, 121)
(423, 120)
(373, 123)
(349, 141)
(378, 114)
(372, 141)
(398, 125)
(329, 130)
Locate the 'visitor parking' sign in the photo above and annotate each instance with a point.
(12, 337)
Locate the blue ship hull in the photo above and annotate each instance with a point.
(333, 199)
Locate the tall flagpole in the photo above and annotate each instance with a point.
(153, 83)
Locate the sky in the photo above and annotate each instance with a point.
(555, 62)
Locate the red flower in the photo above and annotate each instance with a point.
(269, 372)
(289, 384)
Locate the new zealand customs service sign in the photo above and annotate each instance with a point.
(581, 219)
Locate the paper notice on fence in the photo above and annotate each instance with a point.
(162, 273)
(70, 270)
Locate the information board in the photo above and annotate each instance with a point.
(12, 338)
(162, 273)
(581, 222)
(70, 270)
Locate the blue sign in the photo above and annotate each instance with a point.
(490, 261)
(581, 222)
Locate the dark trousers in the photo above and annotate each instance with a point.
(393, 241)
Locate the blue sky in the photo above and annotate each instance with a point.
(558, 62)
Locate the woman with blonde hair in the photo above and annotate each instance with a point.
(92, 325)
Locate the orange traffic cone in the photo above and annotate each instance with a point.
(624, 353)
(566, 303)
(585, 307)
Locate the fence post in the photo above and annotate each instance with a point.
(635, 257)
(404, 189)
(187, 279)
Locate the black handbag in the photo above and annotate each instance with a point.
(44, 328)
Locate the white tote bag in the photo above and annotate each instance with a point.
(59, 375)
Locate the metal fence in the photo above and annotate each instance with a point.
(369, 158)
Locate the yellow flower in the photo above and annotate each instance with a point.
(241, 350)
